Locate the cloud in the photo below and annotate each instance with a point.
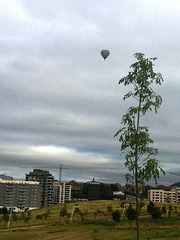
(60, 102)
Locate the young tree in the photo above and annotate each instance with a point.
(63, 211)
(156, 213)
(82, 214)
(46, 214)
(131, 213)
(14, 217)
(150, 207)
(5, 217)
(164, 211)
(135, 140)
(170, 209)
(116, 216)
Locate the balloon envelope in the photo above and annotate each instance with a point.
(105, 53)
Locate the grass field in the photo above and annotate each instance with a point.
(86, 232)
(96, 224)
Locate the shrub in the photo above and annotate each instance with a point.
(5, 217)
(63, 211)
(116, 216)
(164, 211)
(170, 209)
(46, 214)
(14, 217)
(156, 213)
(150, 207)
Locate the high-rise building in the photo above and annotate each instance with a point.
(46, 181)
(19, 194)
(93, 190)
(62, 192)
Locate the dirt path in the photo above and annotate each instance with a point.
(19, 228)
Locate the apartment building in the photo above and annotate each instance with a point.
(159, 195)
(93, 190)
(19, 194)
(62, 192)
(46, 181)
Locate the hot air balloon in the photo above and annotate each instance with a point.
(105, 53)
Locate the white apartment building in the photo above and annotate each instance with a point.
(159, 195)
(62, 192)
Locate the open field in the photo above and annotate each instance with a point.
(95, 224)
(87, 232)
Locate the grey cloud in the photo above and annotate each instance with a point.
(56, 90)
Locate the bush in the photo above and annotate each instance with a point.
(14, 217)
(63, 211)
(5, 217)
(170, 209)
(150, 207)
(46, 214)
(156, 213)
(164, 211)
(116, 216)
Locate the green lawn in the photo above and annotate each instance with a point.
(86, 232)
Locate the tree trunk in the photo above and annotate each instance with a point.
(137, 208)
(136, 172)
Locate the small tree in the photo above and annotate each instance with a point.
(63, 211)
(164, 211)
(82, 214)
(6, 217)
(135, 140)
(156, 213)
(14, 217)
(29, 215)
(150, 207)
(77, 209)
(26, 219)
(23, 215)
(170, 209)
(175, 209)
(46, 214)
(116, 216)
(131, 213)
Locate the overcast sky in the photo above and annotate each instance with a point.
(60, 102)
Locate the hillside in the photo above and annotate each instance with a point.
(176, 184)
(91, 221)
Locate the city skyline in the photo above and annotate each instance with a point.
(61, 102)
